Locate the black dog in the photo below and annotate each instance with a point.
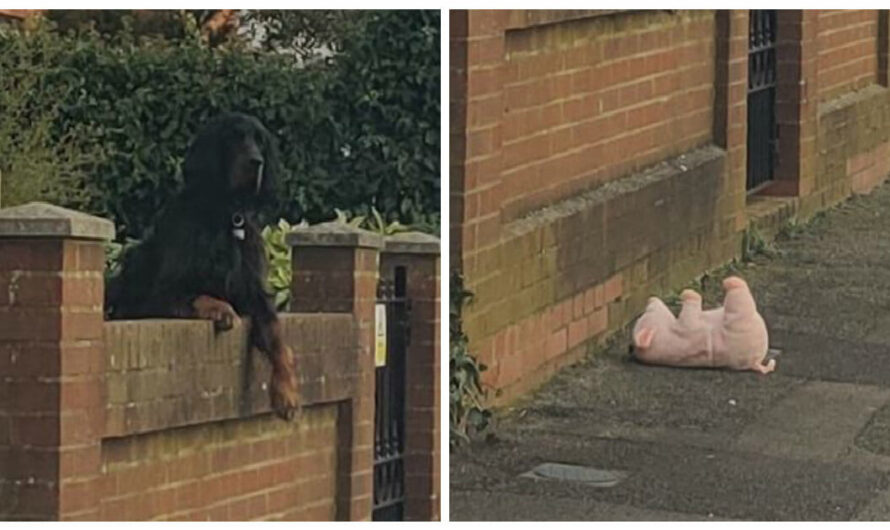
(204, 257)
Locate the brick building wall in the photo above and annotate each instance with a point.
(598, 158)
(624, 91)
(847, 51)
(169, 420)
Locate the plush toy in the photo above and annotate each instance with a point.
(732, 336)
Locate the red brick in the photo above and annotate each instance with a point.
(84, 256)
(578, 306)
(82, 461)
(30, 324)
(598, 321)
(613, 288)
(78, 496)
(187, 497)
(30, 255)
(557, 343)
(40, 431)
(30, 396)
(577, 332)
(37, 500)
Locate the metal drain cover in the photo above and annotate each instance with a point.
(590, 476)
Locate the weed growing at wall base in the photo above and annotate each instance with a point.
(467, 411)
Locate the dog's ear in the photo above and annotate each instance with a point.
(272, 168)
(204, 166)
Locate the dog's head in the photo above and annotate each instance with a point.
(233, 156)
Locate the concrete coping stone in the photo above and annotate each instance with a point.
(333, 234)
(40, 219)
(412, 243)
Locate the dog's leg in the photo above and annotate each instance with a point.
(219, 311)
(284, 391)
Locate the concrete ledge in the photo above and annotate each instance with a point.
(333, 235)
(40, 219)
(689, 163)
(529, 18)
(768, 214)
(852, 98)
(412, 243)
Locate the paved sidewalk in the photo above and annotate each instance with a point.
(808, 442)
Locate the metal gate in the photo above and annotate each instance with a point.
(761, 97)
(389, 410)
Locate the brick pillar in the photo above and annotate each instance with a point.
(419, 255)
(796, 102)
(478, 62)
(335, 270)
(457, 131)
(731, 124)
(52, 409)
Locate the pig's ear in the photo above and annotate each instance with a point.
(643, 338)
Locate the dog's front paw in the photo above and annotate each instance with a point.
(220, 312)
(284, 391)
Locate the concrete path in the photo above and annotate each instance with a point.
(809, 442)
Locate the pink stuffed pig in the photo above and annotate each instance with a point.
(733, 336)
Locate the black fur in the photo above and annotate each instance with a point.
(191, 250)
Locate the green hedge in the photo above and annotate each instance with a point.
(358, 130)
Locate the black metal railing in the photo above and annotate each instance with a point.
(389, 401)
(761, 97)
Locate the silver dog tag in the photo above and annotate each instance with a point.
(238, 226)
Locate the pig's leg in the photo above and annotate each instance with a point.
(738, 300)
(690, 314)
(657, 308)
(764, 369)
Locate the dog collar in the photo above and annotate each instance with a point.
(238, 226)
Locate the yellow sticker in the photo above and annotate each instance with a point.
(380, 336)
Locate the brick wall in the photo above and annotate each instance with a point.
(853, 118)
(257, 468)
(601, 157)
(847, 51)
(188, 434)
(578, 133)
(169, 420)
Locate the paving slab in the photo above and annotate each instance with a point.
(819, 420)
(814, 356)
(724, 484)
(502, 506)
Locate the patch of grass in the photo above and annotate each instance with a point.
(754, 244)
(792, 228)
